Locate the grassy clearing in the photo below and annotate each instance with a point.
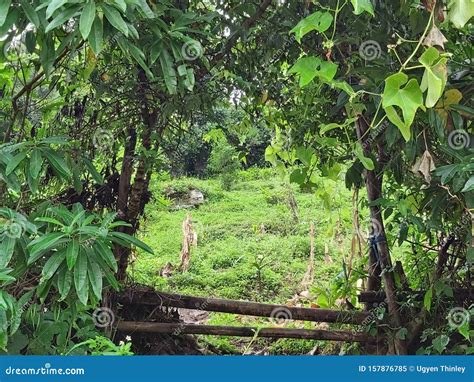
(234, 258)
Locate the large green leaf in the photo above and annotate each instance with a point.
(319, 21)
(169, 73)
(83, 293)
(30, 13)
(87, 19)
(53, 5)
(362, 6)
(305, 155)
(108, 275)
(435, 75)
(80, 276)
(71, 253)
(139, 57)
(52, 265)
(4, 7)
(144, 8)
(58, 164)
(41, 244)
(440, 343)
(7, 247)
(47, 219)
(62, 17)
(36, 161)
(93, 171)
(64, 282)
(310, 67)
(115, 19)
(132, 240)
(408, 98)
(460, 11)
(96, 35)
(469, 186)
(106, 254)
(95, 278)
(428, 299)
(15, 162)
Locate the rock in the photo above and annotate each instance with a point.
(196, 197)
(190, 199)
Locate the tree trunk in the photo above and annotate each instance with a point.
(122, 253)
(131, 201)
(380, 251)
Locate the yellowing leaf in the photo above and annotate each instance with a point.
(450, 97)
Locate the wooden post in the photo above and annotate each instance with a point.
(189, 240)
(308, 277)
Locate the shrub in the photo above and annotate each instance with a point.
(224, 162)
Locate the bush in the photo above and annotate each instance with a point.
(224, 162)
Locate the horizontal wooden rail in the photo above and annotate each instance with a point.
(130, 327)
(459, 294)
(278, 312)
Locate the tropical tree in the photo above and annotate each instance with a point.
(92, 91)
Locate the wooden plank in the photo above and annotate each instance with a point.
(130, 327)
(241, 307)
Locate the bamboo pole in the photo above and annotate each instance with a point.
(278, 312)
(130, 327)
(459, 294)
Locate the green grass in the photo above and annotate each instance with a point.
(233, 259)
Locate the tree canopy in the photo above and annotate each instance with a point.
(93, 94)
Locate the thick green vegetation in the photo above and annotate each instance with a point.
(249, 244)
(99, 98)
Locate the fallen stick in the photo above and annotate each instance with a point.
(131, 327)
(278, 312)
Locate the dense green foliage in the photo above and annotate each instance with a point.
(98, 98)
